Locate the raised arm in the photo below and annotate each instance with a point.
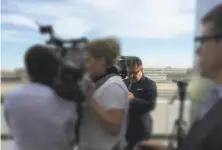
(111, 108)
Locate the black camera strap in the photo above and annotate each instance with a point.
(104, 79)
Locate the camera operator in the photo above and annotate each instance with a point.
(37, 117)
(142, 95)
(106, 107)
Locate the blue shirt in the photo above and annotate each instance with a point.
(38, 119)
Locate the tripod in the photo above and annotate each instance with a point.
(179, 124)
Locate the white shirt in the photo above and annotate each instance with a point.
(113, 94)
(39, 119)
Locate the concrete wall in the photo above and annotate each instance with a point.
(171, 87)
(7, 86)
(164, 115)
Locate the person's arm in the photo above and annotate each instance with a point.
(148, 102)
(111, 108)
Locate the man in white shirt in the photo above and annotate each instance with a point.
(37, 118)
(106, 107)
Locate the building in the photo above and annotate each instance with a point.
(165, 74)
(9, 76)
(162, 76)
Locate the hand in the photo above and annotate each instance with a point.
(131, 96)
(89, 89)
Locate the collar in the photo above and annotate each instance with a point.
(218, 88)
(111, 70)
(141, 79)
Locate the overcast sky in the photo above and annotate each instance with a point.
(161, 32)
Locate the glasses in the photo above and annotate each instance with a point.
(134, 72)
(201, 39)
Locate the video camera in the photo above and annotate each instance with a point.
(122, 66)
(67, 83)
(71, 71)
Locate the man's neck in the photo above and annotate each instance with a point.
(104, 73)
(140, 78)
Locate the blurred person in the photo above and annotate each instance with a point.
(37, 118)
(209, 52)
(197, 90)
(198, 86)
(105, 109)
(206, 131)
(142, 96)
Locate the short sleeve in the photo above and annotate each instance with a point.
(114, 96)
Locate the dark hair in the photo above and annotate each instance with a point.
(41, 64)
(134, 61)
(214, 16)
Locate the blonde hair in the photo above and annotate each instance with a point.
(107, 48)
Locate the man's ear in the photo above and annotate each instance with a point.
(142, 70)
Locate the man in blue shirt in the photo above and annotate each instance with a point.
(37, 118)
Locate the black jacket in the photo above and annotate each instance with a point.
(206, 134)
(145, 93)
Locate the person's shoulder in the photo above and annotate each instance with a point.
(150, 82)
(26, 91)
(116, 92)
(115, 83)
(15, 92)
(147, 79)
(10, 97)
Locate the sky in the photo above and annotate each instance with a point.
(160, 32)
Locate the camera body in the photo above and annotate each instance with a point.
(122, 67)
(67, 83)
